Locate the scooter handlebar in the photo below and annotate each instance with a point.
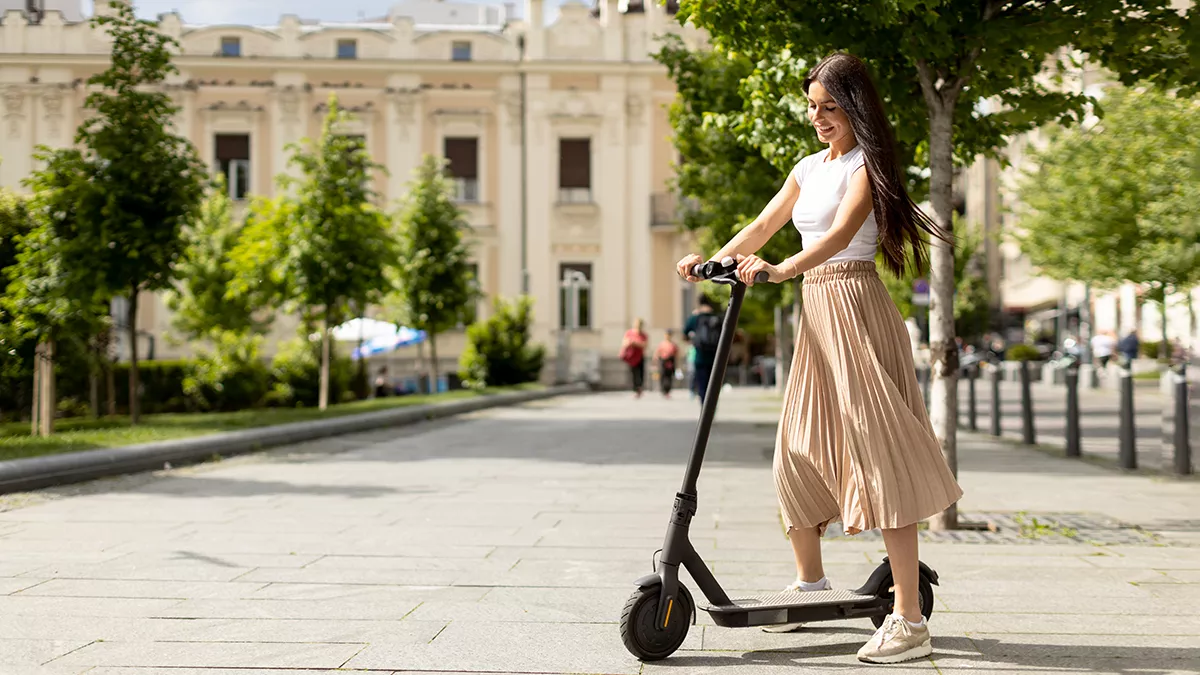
(726, 270)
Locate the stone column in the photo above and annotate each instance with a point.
(289, 112)
(507, 204)
(403, 136)
(16, 137)
(638, 187)
(541, 193)
(615, 283)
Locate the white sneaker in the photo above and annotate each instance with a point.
(792, 627)
(896, 641)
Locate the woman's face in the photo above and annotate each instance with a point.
(831, 122)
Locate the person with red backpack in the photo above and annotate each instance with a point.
(633, 353)
(666, 354)
(703, 330)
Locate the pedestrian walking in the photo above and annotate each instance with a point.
(703, 330)
(1129, 347)
(1104, 344)
(854, 441)
(633, 353)
(666, 353)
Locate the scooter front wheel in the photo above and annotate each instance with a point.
(924, 594)
(638, 631)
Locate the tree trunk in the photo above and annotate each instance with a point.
(1164, 348)
(94, 390)
(433, 364)
(49, 399)
(135, 396)
(943, 396)
(110, 380)
(323, 395)
(35, 427)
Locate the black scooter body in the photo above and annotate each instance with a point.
(646, 623)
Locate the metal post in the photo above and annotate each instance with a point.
(1128, 447)
(972, 375)
(1073, 432)
(1027, 434)
(1182, 464)
(924, 375)
(994, 373)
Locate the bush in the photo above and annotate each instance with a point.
(296, 372)
(162, 385)
(498, 351)
(1152, 350)
(232, 377)
(1022, 352)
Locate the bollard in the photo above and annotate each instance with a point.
(1180, 442)
(972, 375)
(995, 375)
(1073, 441)
(926, 376)
(1027, 435)
(1128, 449)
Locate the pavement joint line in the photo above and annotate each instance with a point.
(70, 652)
(439, 632)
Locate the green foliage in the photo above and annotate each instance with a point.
(161, 383)
(990, 51)
(1116, 202)
(1153, 350)
(143, 182)
(972, 301)
(724, 180)
(499, 352)
(203, 304)
(1022, 352)
(296, 372)
(434, 286)
(231, 377)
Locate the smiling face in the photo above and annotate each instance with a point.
(831, 122)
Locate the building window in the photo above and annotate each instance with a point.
(463, 157)
(574, 170)
(460, 51)
(347, 49)
(231, 46)
(233, 162)
(575, 295)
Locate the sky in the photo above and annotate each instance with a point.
(268, 11)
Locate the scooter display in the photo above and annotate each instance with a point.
(656, 617)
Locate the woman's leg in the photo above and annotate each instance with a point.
(902, 554)
(806, 546)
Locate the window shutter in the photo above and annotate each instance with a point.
(232, 146)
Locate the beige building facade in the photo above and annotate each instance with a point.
(556, 131)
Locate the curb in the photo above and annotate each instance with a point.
(20, 475)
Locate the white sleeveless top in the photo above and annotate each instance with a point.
(823, 184)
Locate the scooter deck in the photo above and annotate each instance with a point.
(789, 606)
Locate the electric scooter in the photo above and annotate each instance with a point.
(655, 619)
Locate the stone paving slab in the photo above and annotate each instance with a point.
(507, 542)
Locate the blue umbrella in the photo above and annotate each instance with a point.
(403, 337)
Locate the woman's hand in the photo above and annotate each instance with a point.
(685, 265)
(749, 266)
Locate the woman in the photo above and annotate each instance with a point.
(854, 440)
(666, 353)
(633, 353)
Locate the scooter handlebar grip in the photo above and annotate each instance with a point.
(761, 277)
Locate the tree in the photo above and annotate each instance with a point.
(16, 353)
(434, 285)
(959, 78)
(46, 301)
(500, 351)
(203, 304)
(321, 245)
(1116, 202)
(142, 182)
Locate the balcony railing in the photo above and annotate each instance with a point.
(667, 209)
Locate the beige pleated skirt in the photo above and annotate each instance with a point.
(854, 440)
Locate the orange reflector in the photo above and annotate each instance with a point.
(670, 604)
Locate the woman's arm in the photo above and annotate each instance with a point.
(851, 215)
(756, 235)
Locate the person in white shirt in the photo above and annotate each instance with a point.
(855, 443)
(1104, 345)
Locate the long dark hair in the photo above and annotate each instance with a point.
(846, 79)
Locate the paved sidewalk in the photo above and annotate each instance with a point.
(507, 542)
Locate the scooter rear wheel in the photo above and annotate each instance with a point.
(924, 591)
(638, 630)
